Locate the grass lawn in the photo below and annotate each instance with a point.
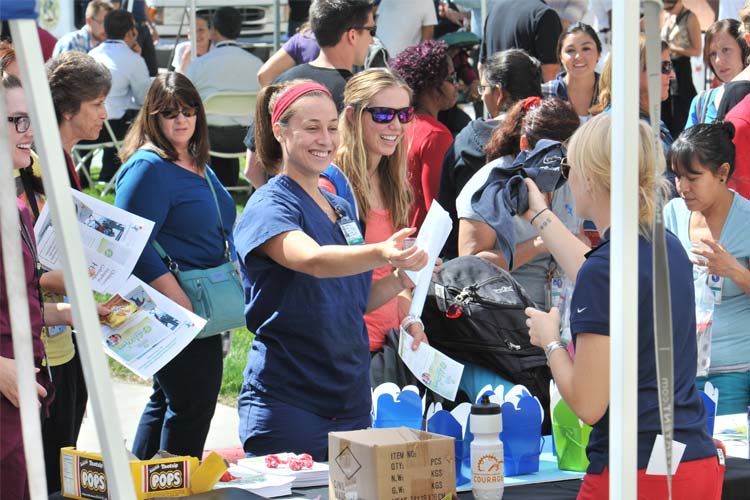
(234, 363)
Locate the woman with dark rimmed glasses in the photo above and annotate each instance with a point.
(428, 70)
(372, 157)
(164, 178)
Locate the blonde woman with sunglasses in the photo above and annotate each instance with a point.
(165, 179)
(372, 157)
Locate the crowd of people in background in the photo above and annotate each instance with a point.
(368, 114)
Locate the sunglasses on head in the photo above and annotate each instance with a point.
(666, 67)
(386, 115)
(564, 168)
(171, 113)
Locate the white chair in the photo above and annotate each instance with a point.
(231, 104)
(90, 150)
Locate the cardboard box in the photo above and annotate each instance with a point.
(390, 464)
(83, 476)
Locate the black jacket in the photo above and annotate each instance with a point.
(462, 160)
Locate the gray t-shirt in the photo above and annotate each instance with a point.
(532, 275)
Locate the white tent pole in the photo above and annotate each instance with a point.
(193, 33)
(623, 384)
(277, 26)
(18, 307)
(56, 186)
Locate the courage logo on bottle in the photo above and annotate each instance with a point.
(489, 464)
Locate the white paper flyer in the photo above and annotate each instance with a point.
(112, 239)
(145, 329)
(436, 370)
(431, 238)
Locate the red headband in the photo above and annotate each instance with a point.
(530, 102)
(293, 93)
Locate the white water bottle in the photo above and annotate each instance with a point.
(486, 450)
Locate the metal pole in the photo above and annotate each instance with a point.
(193, 33)
(93, 360)
(623, 384)
(277, 26)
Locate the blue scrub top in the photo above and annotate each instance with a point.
(589, 313)
(311, 348)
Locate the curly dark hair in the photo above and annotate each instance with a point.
(423, 66)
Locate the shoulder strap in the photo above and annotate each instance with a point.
(227, 256)
(704, 100)
(171, 265)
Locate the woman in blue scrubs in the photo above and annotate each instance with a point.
(307, 278)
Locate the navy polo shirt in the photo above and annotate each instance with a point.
(311, 348)
(589, 313)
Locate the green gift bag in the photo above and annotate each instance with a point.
(571, 437)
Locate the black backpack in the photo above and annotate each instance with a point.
(474, 312)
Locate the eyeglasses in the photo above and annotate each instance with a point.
(453, 78)
(564, 168)
(483, 89)
(386, 115)
(171, 114)
(666, 67)
(22, 123)
(371, 29)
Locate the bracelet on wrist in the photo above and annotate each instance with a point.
(538, 214)
(409, 321)
(552, 347)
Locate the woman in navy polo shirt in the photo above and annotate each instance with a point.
(307, 278)
(584, 382)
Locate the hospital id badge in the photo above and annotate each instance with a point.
(716, 284)
(351, 231)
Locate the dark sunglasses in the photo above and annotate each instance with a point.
(22, 123)
(564, 168)
(386, 115)
(666, 67)
(171, 114)
(371, 29)
(453, 78)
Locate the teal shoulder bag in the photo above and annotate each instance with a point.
(215, 293)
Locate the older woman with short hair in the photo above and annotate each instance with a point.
(79, 86)
(165, 178)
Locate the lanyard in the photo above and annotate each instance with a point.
(663, 341)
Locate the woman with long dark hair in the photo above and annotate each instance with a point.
(165, 178)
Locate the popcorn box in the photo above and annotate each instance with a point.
(84, 477)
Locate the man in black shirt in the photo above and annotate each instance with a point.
(344, 30)
(529, 25)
